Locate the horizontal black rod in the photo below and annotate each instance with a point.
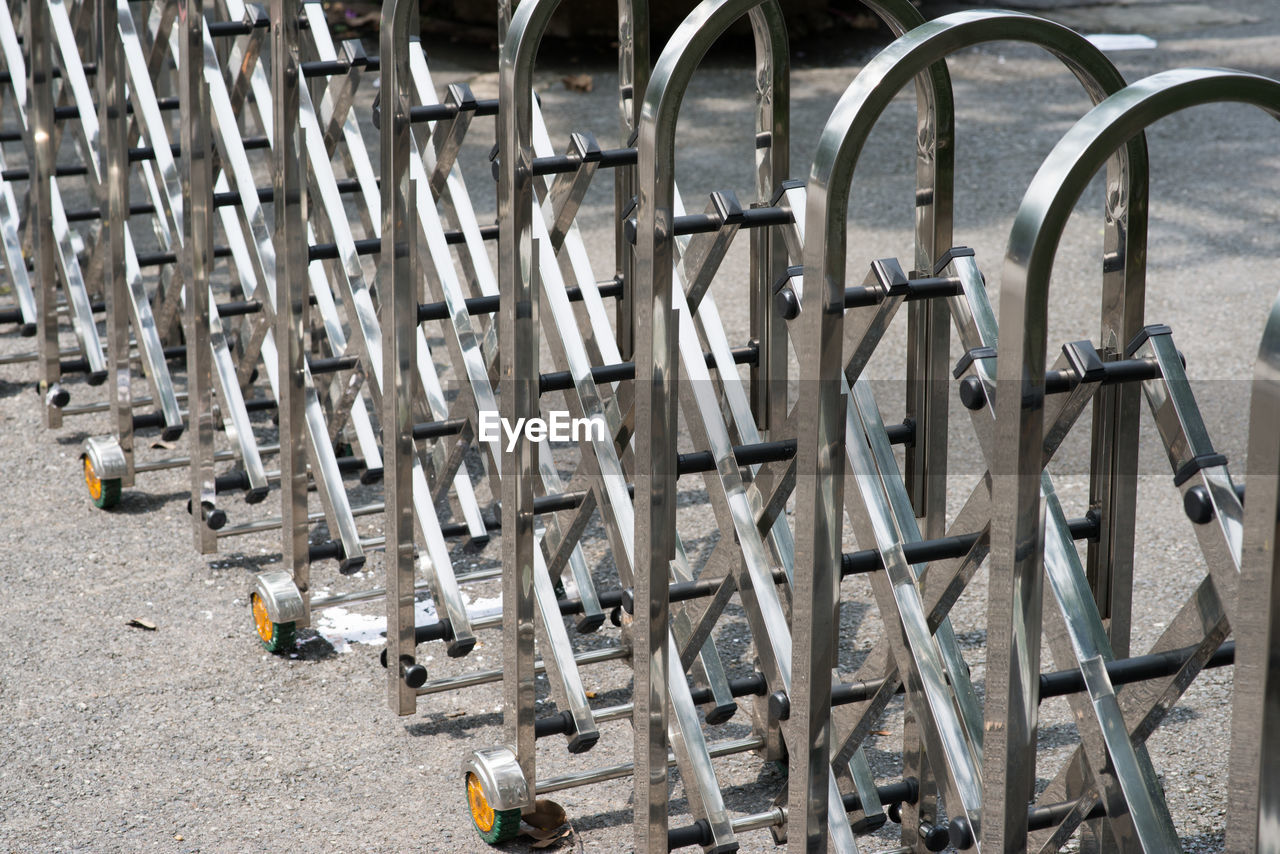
(945, 548)
(160, 259)
(699, 833)
(607, 159)
(332, 67)
(443, 112)
(868, 560)
(333, 365)
(489, 304)
(706, 222)
(68, 112)
(974, 397)
(914, 289)
(266, 194)
(1063, 682)
(747, 354)
(90, 69)
(439, 429)
(373, 245)
(754, 454)
(239, 308)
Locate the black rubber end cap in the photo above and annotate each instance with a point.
(59, 398)
(786, 304)
(581, 744)
(894, 811)
(351, 565)
(779, 706)
(960, 833)
(869, 823)
(371, 476)
(97, 377)
(937, 838)
(1198, 507)
(722, 714)
(383, 658)
(256, 496)
(415, 675)
(172, 434)
(589, 624)
(459, 649)
(628, 598)
(216, 519)
(971, 394)
(27, 330)
(615, 616)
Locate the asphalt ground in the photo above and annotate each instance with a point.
(191, 738)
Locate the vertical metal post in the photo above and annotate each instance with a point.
(197, 261)
(768, 250)
(38, 43)
(819, 525)
(518, 346)
(935, 184)
(291, 301)
(1113, 487)
(397, 314)
(114, 204)
(633, 77)
(1254, 786)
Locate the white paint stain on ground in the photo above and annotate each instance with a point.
(342, 627)
(1121, 41)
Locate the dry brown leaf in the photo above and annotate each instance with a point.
(578, 82)
(879, 732)
(546, 815)
(141, 624)
(553, 838)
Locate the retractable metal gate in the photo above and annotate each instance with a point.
(265, 268)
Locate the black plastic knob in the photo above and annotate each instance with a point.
(1198, 506)
(786, 304)
(935, 837)
(972, 394)
(779, 706)
(415, 675)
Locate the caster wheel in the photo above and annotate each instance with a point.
(494, 826)
(276, 637)
(105, 492)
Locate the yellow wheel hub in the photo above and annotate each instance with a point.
(481, 812)
(262, 620)
(92, 480)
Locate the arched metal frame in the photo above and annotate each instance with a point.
(657, 400)
(520, 346)
(1033, 243)
(822, 416)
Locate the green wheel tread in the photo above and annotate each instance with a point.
(506, 825)
(282, 637)
(110, 496)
